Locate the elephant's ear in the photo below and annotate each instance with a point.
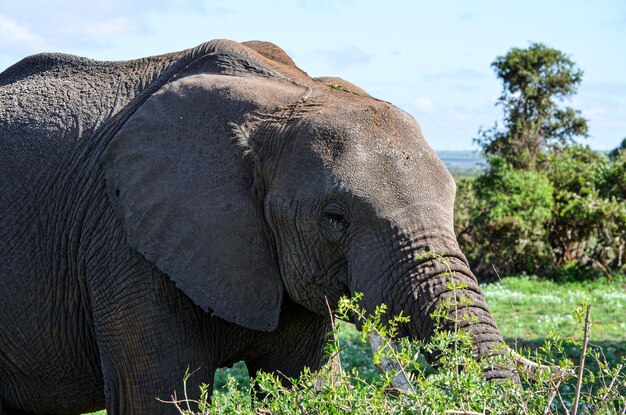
(185, 193)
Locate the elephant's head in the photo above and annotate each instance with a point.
(242, 178)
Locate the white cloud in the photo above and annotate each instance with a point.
(346, 58)
(80, 24)
(115, 26)
(14, 36)
(423, 104)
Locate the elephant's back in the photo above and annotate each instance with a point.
(59, 96)
(51, 102)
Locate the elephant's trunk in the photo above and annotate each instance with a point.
(446, 283)
(441, 293)
(447, 297)
(402, 380)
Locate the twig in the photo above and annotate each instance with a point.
(401, 381)
(582, 361)
(330, 313)
(457, 412)
(606, 394)
(508, 295)
(177, 402)
(336, 370)
(555, 390)
(528, 365)
(558, 395)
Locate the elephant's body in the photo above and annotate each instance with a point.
(62, 262)
(191, 210)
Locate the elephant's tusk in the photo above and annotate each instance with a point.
(527, 365)
(401, 380)
(332, 373)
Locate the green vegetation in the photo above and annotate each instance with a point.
(500, 219)
(455, 382)
(588, 225)
(565, 221)
(544, 205)
(527, 310)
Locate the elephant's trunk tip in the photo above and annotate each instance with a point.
(528, 366)
(402, 381)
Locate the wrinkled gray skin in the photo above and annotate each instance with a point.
(195, 209)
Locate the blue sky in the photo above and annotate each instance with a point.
(429, 58)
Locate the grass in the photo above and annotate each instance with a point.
(527, 308)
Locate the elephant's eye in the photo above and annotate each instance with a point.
(334, 222)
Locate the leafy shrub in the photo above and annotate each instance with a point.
(546, 205)
(502, 218)
(457, 386)
(567, 220)
(588, 226)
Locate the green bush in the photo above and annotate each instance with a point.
(502, 219)
(567, 220)
(546, 205)
(588, 226)
(455, 386)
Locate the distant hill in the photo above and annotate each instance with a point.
(462, 162)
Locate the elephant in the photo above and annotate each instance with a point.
(199, 208)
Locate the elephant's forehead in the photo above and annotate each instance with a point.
(379, 153)
(366, 123)
(379, 141)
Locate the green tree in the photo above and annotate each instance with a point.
(535, 81)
